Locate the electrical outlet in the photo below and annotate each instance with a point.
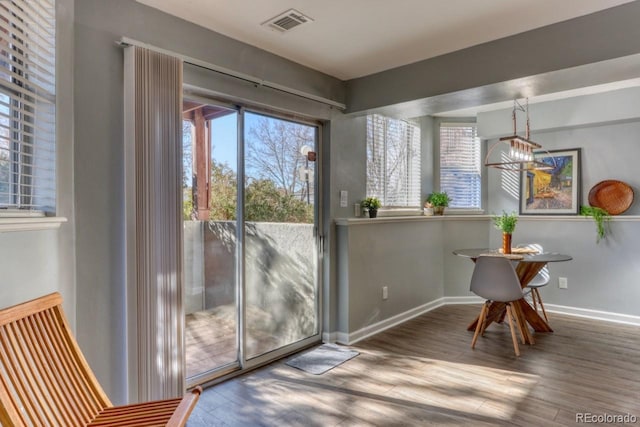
(562, 283)
(385, 292)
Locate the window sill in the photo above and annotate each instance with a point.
(484, 217)
(409, 219)
(396, 212)
(30, 223)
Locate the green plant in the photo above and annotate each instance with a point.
(506, 222)
(371, 203)
(600, 216)
(438, 199)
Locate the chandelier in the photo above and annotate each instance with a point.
(520, 154)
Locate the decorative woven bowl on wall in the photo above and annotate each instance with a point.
(613, 196)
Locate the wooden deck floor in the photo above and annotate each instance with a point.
(424, 373)
(210, 337)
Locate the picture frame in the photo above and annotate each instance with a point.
(552, 192)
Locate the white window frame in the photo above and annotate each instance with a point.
(28, 81)
(477, 152)
(377, 140)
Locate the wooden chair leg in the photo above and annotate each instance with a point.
(480, 325)
(486, 316)
(517, 317)
(533, 299)
(513, 332)
(544, 312)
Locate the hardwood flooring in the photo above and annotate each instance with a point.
(424, 372)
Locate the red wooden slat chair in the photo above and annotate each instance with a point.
(46, 381)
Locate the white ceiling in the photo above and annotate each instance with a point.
(353, 38)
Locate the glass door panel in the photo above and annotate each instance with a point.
(250, 282)
(210, 143)
(280, 256)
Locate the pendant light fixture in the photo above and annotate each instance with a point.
(520, 154)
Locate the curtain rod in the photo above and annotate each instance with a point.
(125, 41)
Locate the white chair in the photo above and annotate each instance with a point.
(541, 279)
(495, 279)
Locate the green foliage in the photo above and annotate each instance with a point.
(223, 192)
(371, 203)
(505, 222)
(438, 199)
(187, 204)
(265, 202)
(600, 216)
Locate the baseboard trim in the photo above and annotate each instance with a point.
(377, 327)
(333, 337)
(471, 299)
(368, 331)
(329, 336)
(594, 314)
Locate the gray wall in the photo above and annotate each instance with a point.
(345, 148)
(412, 257)
(31, 265)
(399, 255)
(602, 276)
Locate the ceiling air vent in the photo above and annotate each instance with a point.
(287, 20)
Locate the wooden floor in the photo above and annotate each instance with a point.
(424, 373)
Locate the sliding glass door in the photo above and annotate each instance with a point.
(210, 247)
(250, 238)
(280, 262)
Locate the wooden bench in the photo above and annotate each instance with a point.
(46, 381)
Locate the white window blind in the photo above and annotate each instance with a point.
(27, 105)
(393, 161)
(460, 165)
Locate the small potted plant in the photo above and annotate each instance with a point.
(438, 201)
(371, 204)
(507, 224)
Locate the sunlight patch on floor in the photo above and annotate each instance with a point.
(454, 389)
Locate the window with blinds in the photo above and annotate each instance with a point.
(393, 161)
(460, 165)
(27, 105)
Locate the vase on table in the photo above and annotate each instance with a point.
(373, 213)
(506, 243)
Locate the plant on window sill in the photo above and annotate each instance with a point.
(371, 204)
(437, 201)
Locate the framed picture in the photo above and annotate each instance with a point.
(555, 191)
